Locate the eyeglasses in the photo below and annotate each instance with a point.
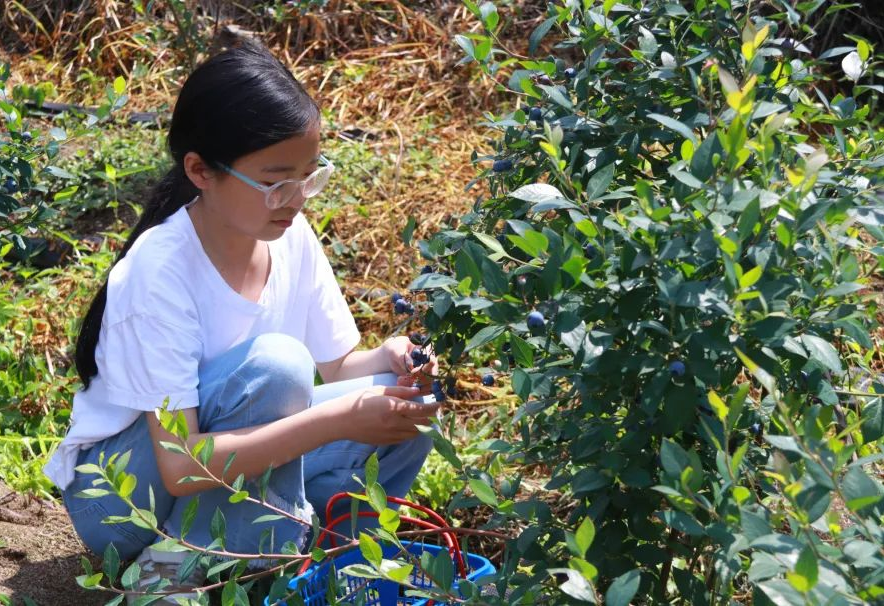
(281, 193)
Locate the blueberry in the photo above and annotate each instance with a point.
(488, 380)
(451, 387)
(804, 377)
(437, 390)
(535, 320)
(409, 309)
(536, 114)
(677, 368)
(590, 251)
(416, 338)
(511, 360)
(755, 429)
(570, 73)
(26, 136)
(521, 281)
(396, 297)
(401, 306)
(526, 108)
(418, 357)
(10, 185)
(426, 269)
(501, 166)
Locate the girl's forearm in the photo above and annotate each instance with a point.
(363, 363)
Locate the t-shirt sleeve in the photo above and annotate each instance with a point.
(331, 329)
(146, 360)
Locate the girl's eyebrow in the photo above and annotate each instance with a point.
(285, 169)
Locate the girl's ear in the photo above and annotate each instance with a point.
(197, 170)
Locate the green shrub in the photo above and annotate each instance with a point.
(697, 216)
(31, 182)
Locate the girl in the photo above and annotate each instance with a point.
(223, 302)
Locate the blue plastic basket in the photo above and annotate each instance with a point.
(313, 584)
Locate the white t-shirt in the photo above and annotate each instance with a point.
(169, 311)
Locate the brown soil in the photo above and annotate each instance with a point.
(40, 554)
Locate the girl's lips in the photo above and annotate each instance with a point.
(283, 222)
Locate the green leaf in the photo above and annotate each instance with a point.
(483, 491)
(270, 517)
(537, 35)
(584, 535)
(675, 125)
(873, 420)
(238, 496)
(111, 563)
(218, 525)
(599, 182)
(371, 551)
(859, 490)
(485, 335)
(673, 458)
(623, 589)
(131, 575)
(408, 231)
(371, 469)
(822, 351)
(119, 85)
(806, 571)
(522, 351)
(377, 498)
(127, 485)
(221, 567)
(389, 519)
(750, 277)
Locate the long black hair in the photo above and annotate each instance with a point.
(236, 102)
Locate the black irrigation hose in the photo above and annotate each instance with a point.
(151, 119)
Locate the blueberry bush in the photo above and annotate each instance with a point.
(678, 265)
(32, 184)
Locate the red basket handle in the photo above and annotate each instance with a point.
(450, 538)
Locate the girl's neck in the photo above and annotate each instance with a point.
(225, 247)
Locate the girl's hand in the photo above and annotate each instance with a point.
(398, 350)
(384, 415)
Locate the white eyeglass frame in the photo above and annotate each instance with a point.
(323, 171)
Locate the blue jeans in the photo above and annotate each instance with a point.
(256, 382)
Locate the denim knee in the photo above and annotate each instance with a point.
(278, 372)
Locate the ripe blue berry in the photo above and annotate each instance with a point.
(450, 388)
(26, 136)
(501, 166)
(416, 338)
(426, 269)
(755, 429)
(535, 320)
(677, 368)
(536, 114)
(418, 357)
(396, 297)
(589, 251)
(570, 73)
(488, 380)
(401, 306)
(10, 185)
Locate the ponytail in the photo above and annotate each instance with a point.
(172, 192)
(237, 102)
